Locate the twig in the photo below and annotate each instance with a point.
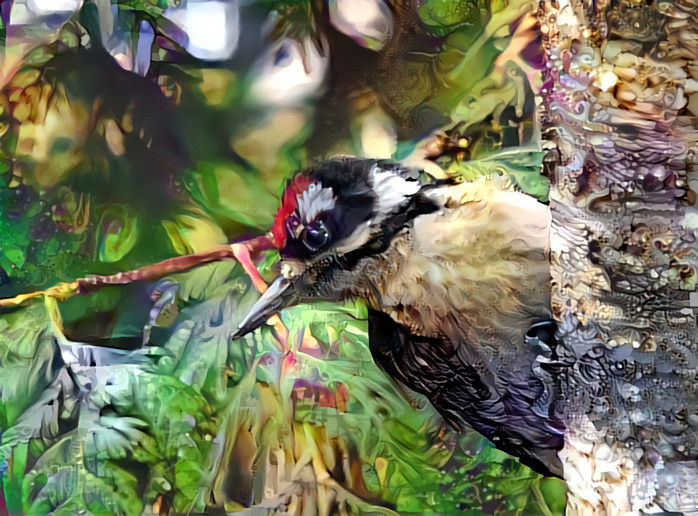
(243, 252)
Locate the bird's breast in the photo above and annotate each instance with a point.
(477, 271)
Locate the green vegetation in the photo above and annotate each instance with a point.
(134, 398)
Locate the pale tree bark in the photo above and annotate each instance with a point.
(618, 111)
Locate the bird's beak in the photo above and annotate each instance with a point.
(278, 296)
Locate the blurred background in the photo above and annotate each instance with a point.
(136, 130)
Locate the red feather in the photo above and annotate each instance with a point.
(289, 203)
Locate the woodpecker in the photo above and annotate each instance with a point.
(456, 276)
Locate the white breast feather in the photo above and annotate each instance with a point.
(484, 262)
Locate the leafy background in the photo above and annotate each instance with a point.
(123, 144)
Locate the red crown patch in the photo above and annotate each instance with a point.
(289, 203)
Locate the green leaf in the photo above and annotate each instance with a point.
(554, 492)
(14, 257)
(522, 165)
(231, 193)
(444, 16)
(118, 233)
(12, 478)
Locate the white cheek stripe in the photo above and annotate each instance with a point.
(314, 201)
(391, 189)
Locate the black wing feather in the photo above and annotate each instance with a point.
(518, 421)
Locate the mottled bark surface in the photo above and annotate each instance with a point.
(619, 116)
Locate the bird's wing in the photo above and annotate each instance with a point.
(515, 421)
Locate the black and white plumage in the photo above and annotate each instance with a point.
(457, 278)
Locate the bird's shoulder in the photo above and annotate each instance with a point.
(482, 232)
(485, 207)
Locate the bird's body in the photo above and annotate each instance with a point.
(476, 270)
(456, 275)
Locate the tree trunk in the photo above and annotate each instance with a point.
(619, 112)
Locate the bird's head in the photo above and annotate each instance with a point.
(334, 220)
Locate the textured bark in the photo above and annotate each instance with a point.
(619, 113)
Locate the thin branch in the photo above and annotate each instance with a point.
(243, 252)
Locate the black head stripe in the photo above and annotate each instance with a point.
(418, 204)
(356, 203)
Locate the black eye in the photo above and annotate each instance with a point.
(315, 236)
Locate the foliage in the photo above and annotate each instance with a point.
(135, 399)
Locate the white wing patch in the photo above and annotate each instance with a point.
(391, 189)
(314, 201)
